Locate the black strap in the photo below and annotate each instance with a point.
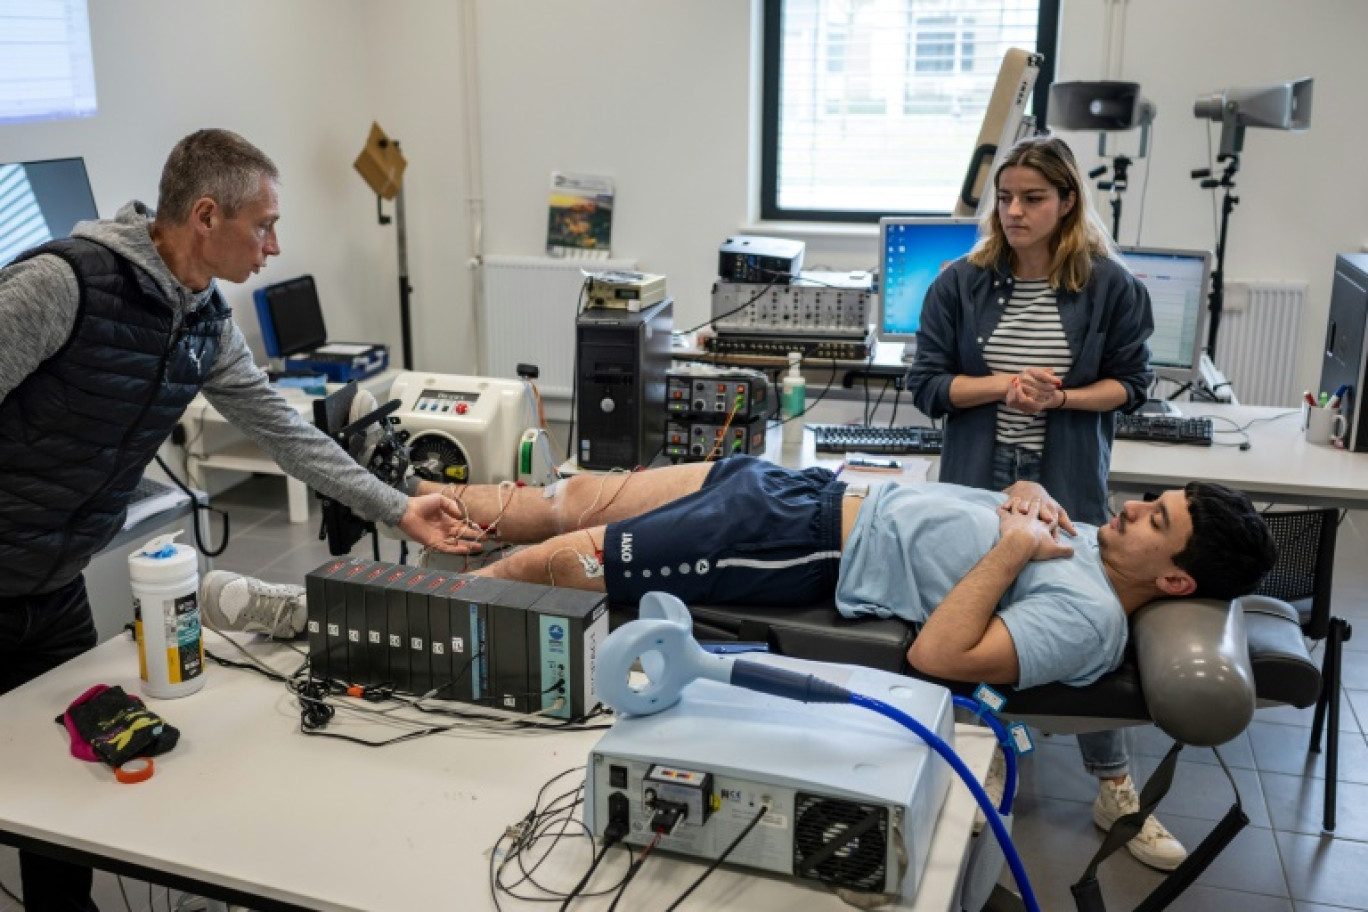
(1197, 861)
(1087, 892)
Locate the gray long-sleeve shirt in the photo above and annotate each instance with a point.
(38, 303)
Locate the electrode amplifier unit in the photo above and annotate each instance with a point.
(819, 304)
(510, 645)
(714, 412)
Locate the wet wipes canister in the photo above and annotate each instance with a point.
(166, 616)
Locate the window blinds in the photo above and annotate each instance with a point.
(880, 101)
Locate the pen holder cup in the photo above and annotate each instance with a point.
(1324, 426)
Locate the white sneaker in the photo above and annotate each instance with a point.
(1153, 845)
(994, 784)
(231, 601)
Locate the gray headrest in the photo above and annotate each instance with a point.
(1194, 668)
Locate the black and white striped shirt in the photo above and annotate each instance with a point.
(1029, 334)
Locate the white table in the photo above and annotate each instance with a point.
(248, 809)
(1279, 464)
(212, 443)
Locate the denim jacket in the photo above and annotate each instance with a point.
(1106, 325)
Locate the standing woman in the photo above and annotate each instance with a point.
(1027, 347)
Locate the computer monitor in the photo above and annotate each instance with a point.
(40, 201)
(1177, 281)
(291, 317)
(912, 252)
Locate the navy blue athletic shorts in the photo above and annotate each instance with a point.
(755, 533)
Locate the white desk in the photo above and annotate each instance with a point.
(1279, 465)
(212, 443)
(249, 809)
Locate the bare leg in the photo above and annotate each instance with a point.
(570, 560)
(583, 501)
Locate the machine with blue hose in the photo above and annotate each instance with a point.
(710, 747)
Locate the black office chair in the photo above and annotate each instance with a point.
(1302, 577)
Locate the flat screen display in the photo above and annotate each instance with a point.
(913, 252)
(296, 315)
(41, 201)
(1177, 281)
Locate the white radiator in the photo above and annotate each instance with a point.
(1256, 347)
(528, 316)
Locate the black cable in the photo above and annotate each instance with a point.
(584, 881)
(574, 377)
(6, 890)
(553, 819)
(897, 394)
(869, 365)
(535, 827)
(1144, 190)
(874, 412)
(726, 853)
(195, 508)
(632, 872)
(820, 396)
(316, 712)
(735, 310)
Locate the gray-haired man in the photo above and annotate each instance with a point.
(107, 337)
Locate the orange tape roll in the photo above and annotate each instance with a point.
(139, 769)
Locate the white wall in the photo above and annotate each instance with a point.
(653, 94)
(657, 94)
(1303, 197)
(165, 68)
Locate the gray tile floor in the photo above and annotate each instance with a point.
(1281, 862)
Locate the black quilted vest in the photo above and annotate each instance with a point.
(76, 434)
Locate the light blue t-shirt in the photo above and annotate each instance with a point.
(912, 543)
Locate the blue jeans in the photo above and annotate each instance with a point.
(1104, 753)
(38, 633)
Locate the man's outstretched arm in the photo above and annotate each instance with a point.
(962, 640)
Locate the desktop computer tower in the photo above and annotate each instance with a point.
(621, 361)
(1345, 356)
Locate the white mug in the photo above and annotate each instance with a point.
(1324, 426)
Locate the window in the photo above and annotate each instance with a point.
(46, 71)
(873, 107)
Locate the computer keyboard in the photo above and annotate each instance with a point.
(841, 438)
(152, 497)
(148, 488)
(1159, 429)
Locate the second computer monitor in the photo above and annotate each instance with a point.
(1177, 281)
(41, 200)
(912, 252)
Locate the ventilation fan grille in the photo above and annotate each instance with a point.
(840, 842)
(433, 456)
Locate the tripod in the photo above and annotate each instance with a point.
(405, 289)
(1120, 180)
(1228, 203)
